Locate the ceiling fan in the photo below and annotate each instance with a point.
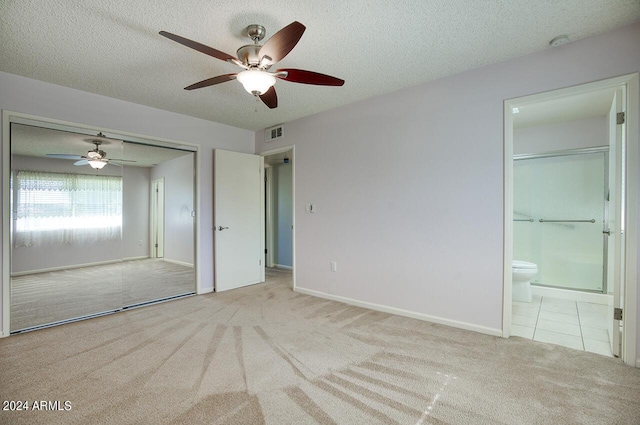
(96, 158)
(256, 60)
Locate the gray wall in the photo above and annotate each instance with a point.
(29, 96)
(409, 185)
(283, 214)
(178, 201)
(135, 217)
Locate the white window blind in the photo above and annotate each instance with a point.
(54, 208)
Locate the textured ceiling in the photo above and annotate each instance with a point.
(112, 47)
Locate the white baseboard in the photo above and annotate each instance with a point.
(405, 313)
(79, 266)
(567, 294)
(140, 257)
(180, 263)
(280, 266)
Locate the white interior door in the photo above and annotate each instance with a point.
(238, 219)
(614, 234)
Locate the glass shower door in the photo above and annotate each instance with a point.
(563, 199)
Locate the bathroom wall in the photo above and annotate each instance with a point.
(574, 134)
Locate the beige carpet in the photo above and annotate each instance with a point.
(265, 354)
(41, 298)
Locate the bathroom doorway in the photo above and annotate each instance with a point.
(560, 143)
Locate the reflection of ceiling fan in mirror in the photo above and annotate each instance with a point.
(96, 158)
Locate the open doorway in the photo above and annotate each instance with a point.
(570, 279)
(279, 210)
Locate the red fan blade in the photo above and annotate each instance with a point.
(309, 77)
(197, 46)
(270, 98)
(279, 46)
(211, 81)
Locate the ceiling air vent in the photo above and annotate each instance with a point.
(274, 133)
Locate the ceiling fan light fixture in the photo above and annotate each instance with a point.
(97, 164)
(256, 59)
(255, 81)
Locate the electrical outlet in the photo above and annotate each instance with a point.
(140, 242)
(334, 266)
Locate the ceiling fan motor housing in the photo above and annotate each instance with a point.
(249, 54)
(256, 32)
(96, 153)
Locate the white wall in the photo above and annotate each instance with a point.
(178, 201)
(135, 217)
(409, 185)
(574, 134)
(25, 95)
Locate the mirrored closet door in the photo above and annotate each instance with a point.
(87, 211)
(158, 240)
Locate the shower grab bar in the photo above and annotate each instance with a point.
(542, 220)
(523, 219)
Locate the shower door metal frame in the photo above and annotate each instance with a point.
(605, 242)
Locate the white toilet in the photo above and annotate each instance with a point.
(523, 272)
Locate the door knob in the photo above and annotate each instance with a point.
(606, 232)
(222, 228)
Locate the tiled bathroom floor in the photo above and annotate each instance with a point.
(578, 325)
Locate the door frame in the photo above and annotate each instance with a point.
(156, 218)
(630, 284)
(268, 214)
(292, 149)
